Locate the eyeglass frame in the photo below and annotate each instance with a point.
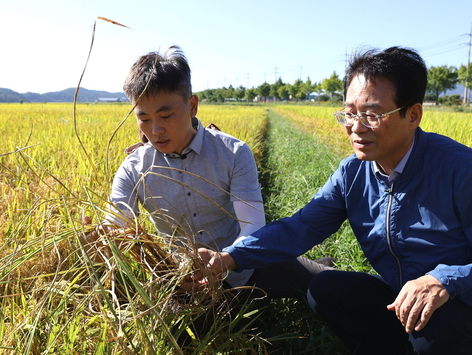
(353, 116)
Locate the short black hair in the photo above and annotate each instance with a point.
(153, 73)
(404, 67)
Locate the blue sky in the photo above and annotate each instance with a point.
(45, 43)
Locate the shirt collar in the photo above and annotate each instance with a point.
(398, 169)
(196, 143)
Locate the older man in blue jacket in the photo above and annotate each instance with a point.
(408, 197)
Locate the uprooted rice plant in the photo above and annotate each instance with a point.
(60, 297)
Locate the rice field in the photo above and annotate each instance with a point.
(319, 120)
(54, 298)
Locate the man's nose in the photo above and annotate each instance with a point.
(157, 129)
(358, 127)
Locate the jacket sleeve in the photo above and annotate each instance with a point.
(457, 279)
(292, 236)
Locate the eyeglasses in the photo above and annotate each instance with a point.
(368, 119)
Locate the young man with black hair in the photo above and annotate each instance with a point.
(195, 182)
(408, 197)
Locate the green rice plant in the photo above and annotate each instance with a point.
(296, 164)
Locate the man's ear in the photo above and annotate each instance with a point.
(193, 105)
(414, 115)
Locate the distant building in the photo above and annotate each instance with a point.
(108, 99)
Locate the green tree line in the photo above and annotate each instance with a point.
(327, 89)
(440, 79)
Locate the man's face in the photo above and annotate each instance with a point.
(390, 141)
(166, 120)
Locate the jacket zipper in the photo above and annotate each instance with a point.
(389, 242)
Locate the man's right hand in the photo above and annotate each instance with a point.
(96, 249)
(217, 263)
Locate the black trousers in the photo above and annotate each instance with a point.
(354, 305)
(288, 279)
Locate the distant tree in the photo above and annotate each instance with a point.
(332, 85)
(274, 89)
(251, 94)
(229, 93)
(202, 95)
(240, 92)
(264, 90)
(308, 84)
(305, 89)
(284, 92)
(316, 87)
(219, 96)
(450, 100)
(464, 77)
(440, 79)
(295, 89)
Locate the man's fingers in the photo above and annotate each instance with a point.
(197, 276)
(400, 306)
(428, 311)
(205, 254)
(413, 317)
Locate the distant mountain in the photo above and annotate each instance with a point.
(7, 95)
(67, 95)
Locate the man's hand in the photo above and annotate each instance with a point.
(217, 263)
(133, 147)
(417, 301)
(97, 249)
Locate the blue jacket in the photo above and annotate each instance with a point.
(422, 224)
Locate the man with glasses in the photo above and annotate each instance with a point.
(408, 197)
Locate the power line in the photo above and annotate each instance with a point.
(444, 51)
(440, 43)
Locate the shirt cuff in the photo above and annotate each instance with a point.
(445, 278)
(231, 250)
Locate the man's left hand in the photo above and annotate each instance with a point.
(417, 301)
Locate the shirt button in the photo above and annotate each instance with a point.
(195, 215)
(200, 232)
(188, 193)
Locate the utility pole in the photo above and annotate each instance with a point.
(466, 89)
(275, 75)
